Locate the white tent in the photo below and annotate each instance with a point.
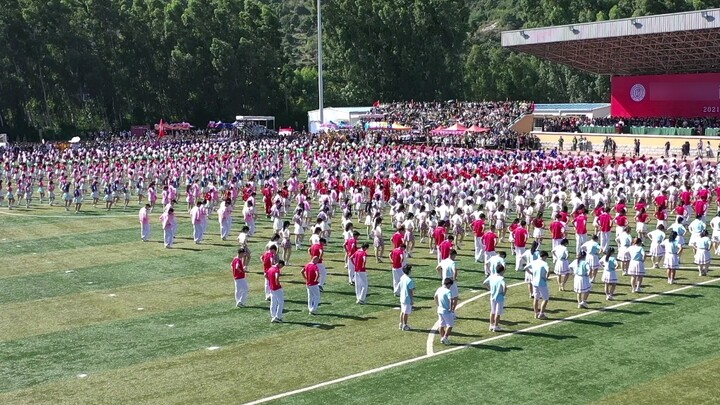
(335, 114)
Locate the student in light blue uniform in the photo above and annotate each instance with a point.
(673, 249)
(498, 289)
(540, 272)
(592, 248)
(581, 283)
(406, 286)
(702, 252)
(636, 268)
(609, 275)
(443, 300)
(679, 228)
(657, 249)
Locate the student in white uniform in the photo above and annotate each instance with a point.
(609, 275)
(671, 262)
(657, 250)
(581, 284)
(702, 252)
(144, 217)
(636, 268)
(562, 268)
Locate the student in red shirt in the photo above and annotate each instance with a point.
(359, 259)
(478, 227)
(438, 236)
(661, 201)
(277, 297)
(398, 237)
(605, 224)
(538, 228)
(520, 237)
(490, 240)
(557, 231)
(351, 246)
(621, 222)
(241, 285)
(445, 247)
(268, 259)
(580, 224)
(317, 250)
(397, 260)
(311, 274)
(641, 219)
(661, 216)
(700, 207)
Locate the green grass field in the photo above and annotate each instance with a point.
(89, 314)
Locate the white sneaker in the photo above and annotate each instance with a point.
(401, 326)
(406, 328)
(583, 305)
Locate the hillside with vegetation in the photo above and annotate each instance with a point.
(72, 66)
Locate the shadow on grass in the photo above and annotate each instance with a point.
(530, 309)
(351, 317)
(467, 318)
(626, 311)
(373, 304)
(545, 335)
(496, 348)
(423, 331)
(466, 335)
(187, 248)
(679, 295)
(604, 324)
(512, 323)
(321, 326)
(659, 304)
(348, 293)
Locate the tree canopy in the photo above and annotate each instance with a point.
(77, 65)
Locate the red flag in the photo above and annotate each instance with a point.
(161, 131)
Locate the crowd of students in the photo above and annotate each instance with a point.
(436, 200)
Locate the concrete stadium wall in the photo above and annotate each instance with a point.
(650, 145)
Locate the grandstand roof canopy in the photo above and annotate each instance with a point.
(669, 43)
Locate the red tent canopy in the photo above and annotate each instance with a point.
(437, 130)
(455, 129)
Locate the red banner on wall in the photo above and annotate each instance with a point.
(685, 95)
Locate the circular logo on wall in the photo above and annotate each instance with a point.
(637, 92)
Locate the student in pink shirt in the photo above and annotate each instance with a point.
(144, 223)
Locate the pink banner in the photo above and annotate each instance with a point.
(685, 95)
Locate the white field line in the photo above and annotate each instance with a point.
(479, 342)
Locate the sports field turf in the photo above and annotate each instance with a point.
(89, 314)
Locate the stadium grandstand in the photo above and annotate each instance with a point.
(664, 70)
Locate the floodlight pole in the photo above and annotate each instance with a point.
(321, 102)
